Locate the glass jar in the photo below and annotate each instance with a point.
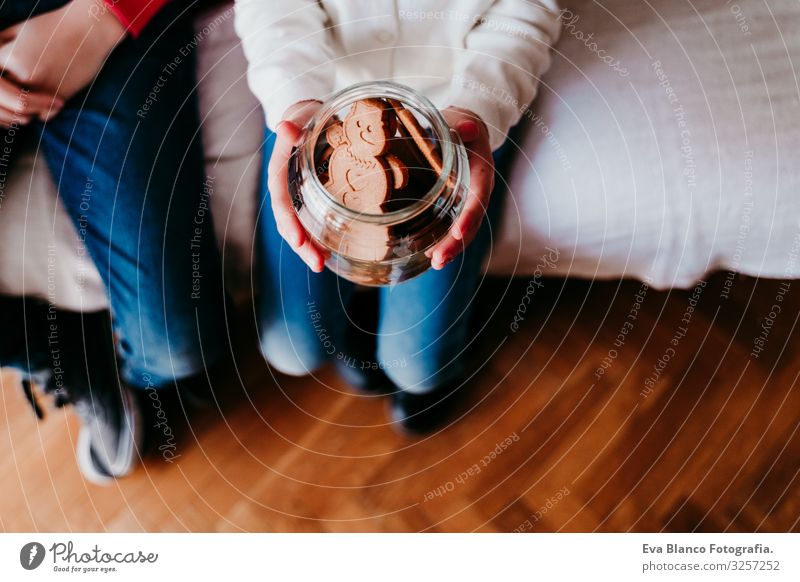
(388, 247)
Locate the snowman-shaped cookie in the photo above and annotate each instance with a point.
(362, 174)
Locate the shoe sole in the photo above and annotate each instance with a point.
(86, 462)
(125, 455)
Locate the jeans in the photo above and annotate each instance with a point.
(423, 323)
(127, 160)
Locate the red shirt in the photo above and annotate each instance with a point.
(134, 14)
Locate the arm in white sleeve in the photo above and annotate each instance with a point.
(497, 74)
(286, 43)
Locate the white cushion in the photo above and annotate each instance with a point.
(40, 252)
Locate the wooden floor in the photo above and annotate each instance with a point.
(707, 440)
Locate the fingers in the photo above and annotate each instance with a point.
(464, 228)
(481, 169)
(444, 251)
(26, 104)
(289, 226)
(468, 129)
(10, 33)
(312, 256)
(287, 137)
(481, 176)
(9, 118)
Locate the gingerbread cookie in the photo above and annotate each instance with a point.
(362, 174)
(412, 128)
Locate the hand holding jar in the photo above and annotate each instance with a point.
(422, 211)
(288, 135)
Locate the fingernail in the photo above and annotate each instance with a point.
(465, 229)
(468, 130)
(287, 126)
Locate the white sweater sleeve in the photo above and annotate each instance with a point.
(287, 46)
(505, 54)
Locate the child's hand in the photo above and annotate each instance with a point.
(288, 135)
(62, 51)
(19, 106)
(475, 136)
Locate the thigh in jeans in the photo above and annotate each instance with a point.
(127, 159)
(301, 313)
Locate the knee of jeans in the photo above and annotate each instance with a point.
(290, 356)
(420, 373)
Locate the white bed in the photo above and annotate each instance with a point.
(628, 180)
(629, 168)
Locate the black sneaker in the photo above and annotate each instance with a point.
(110, 438)
(418, 414)
(75, 363)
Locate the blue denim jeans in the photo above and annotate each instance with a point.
(423, 323)
(127, 161)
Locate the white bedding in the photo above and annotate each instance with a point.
(602, 179)
(625, 178)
